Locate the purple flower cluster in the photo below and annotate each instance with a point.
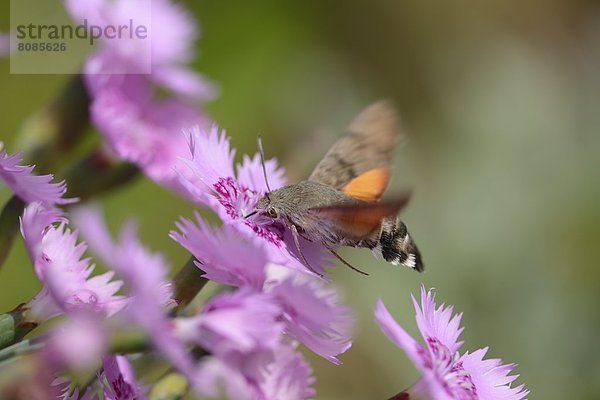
(249, 336)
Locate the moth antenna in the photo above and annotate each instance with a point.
(297, 241)
(345, 262)
(264, 167)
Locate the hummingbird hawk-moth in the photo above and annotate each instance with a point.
(339, 204)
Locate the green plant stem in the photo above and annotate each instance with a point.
(98, 173)
(14, 326)
(51, 132)
(19, 349)
(187, 284)
(9, 225)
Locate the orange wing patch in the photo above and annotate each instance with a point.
(369, 186)
(359, 220)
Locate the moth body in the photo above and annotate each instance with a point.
(292, 205)
(339, 204)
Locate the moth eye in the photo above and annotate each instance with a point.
(272, 212)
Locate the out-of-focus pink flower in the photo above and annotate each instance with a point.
(145, 132)
(241, 333)
(314, 316)
(123, 76)
(126, 253)
(77, 343)
(224, 256)
(284, 376)
(234, 195)
(158, 59)
(118, 380)
(145, 275)
(56, 257)
(241, 322)
(27, 186)
(446, 374)
(289, 376)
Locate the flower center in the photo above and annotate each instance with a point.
(238, 201)
(450, 373)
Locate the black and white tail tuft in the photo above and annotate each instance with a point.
(395, 245)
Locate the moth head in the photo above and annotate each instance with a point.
(267, 208)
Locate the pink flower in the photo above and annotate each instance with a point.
(56, 256)
(313, 315)
(446, 374)
(123, 77)
(284, 376)
(28, 187)
(126, 254)
(232, 193)
(241, 322)
(289, 376)
(241, 333)
(76, 343)
(161, 57)
(118, 380)
(145, 275)
(145, 131)
(224, 255)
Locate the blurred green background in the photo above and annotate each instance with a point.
(501, 99)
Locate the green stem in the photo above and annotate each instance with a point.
(14, 326)
(187, 284)
(19, 349)
(9, 225)
(51, 132)
(98, 173)
(129, 342)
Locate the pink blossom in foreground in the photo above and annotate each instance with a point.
(27, 186)
(289, 376)
(76, 343)
(241, 333)
(57, 259)
(145, 275)
(286, 376)
(313, 314)
(446, 374)
(241, 322)
(118, 380)
(232, 192)
(224, 255)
